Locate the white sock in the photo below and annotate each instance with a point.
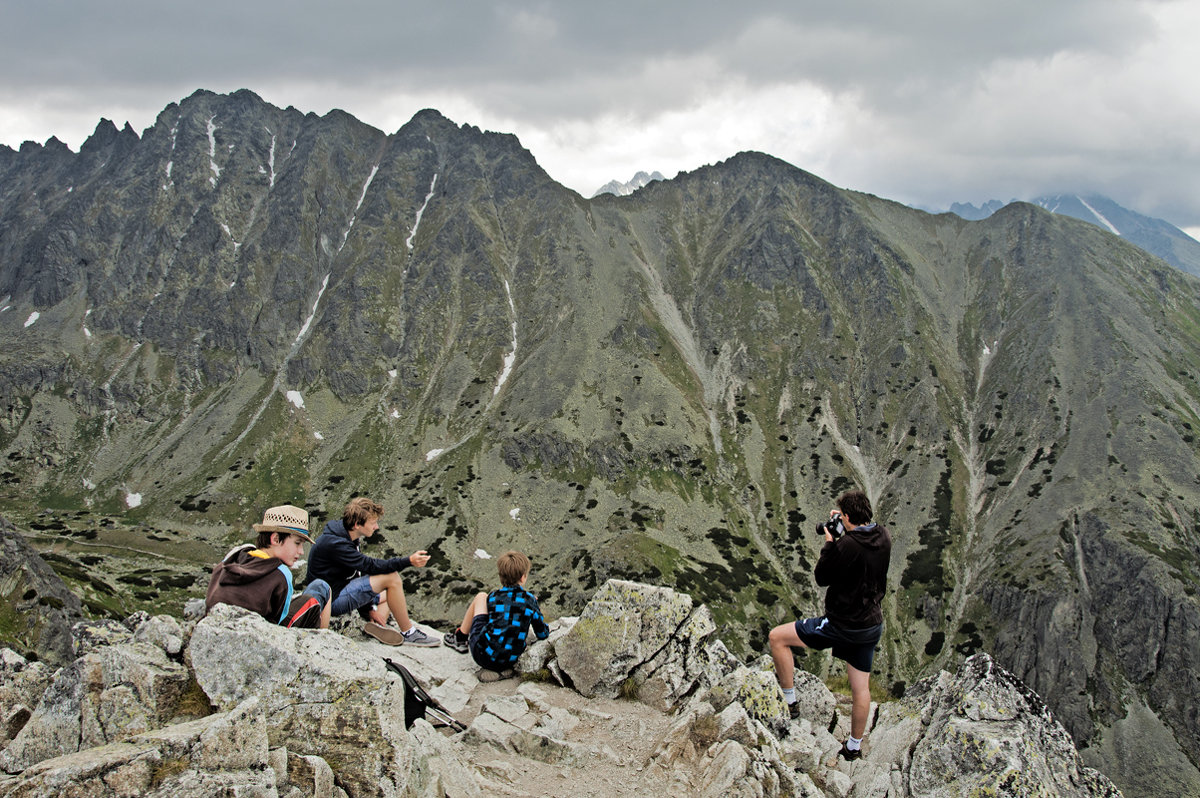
(410, 631)
(853, 744)
(789, 694)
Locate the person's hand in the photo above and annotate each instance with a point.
(833, 514)
(379, 614)
(418, 558)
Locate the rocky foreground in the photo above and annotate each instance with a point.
(638, 696)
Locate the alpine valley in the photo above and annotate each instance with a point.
(246, 306)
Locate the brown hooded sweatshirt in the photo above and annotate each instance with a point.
(247, 579)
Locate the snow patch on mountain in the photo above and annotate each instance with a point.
(1100, 216)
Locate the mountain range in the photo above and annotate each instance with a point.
(245, 306)
(625, 189)
(1156, 236)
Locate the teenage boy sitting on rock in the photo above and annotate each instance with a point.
(367, 584)
(496, 625)
(259, 578)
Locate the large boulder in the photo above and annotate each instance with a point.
(323, 694)
(641, 640)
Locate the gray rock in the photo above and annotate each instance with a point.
(162, 631)
(311, 775)
(194, 609)
(731, 772)
(734, 724)
(110, 693)
(838, 784)
(689, 737)
(983, 731)
(637, 639)
(757, 691)
(511, 709)
(43, 609)
(686, 663)
(325, 695)
(220, 754)
(539, 653)
(91, 635)
(22, 684)
(439, 771)
(817, 704)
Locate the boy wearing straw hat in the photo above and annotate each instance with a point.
(259, 578)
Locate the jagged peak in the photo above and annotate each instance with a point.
(53, 145)
(107, 134)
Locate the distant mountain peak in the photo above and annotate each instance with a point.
(1156, 236)
(625, 189)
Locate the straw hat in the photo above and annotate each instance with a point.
(286, 519)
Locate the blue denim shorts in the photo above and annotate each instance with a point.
(855, 647)
(318, 589)
(357, 593)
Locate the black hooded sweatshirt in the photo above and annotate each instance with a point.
(854, 568)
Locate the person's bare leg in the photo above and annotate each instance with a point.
(393, 590)
(783, 639)
(860, 690)
(478, 606)
(324, 622)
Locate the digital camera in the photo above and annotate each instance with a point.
(833, 526)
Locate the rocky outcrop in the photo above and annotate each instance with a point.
(38, 608)
(22, 684)
(109, 693)
(978, 732)
(324, 696)
(316, 713)
(641, 640)
(223, 754)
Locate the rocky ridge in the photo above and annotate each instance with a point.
(636, 696)
(244, 305)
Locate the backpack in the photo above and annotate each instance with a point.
(420, 704)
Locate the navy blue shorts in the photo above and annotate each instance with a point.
(856, 647)
(475, 644)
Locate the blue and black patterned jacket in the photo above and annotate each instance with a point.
(511, 611)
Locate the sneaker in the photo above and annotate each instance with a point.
(416, 637)
(794, 710)
(384, 634)
(849, 755)
(486, 675)
(452, 640)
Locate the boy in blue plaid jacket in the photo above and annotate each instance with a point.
(496, 625)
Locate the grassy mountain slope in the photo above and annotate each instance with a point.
(247, 306)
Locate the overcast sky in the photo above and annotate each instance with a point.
(926, 102)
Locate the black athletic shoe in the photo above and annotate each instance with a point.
(849, 755)
(794, 710)
(452, 640)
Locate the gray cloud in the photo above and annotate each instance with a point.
(926, 102)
